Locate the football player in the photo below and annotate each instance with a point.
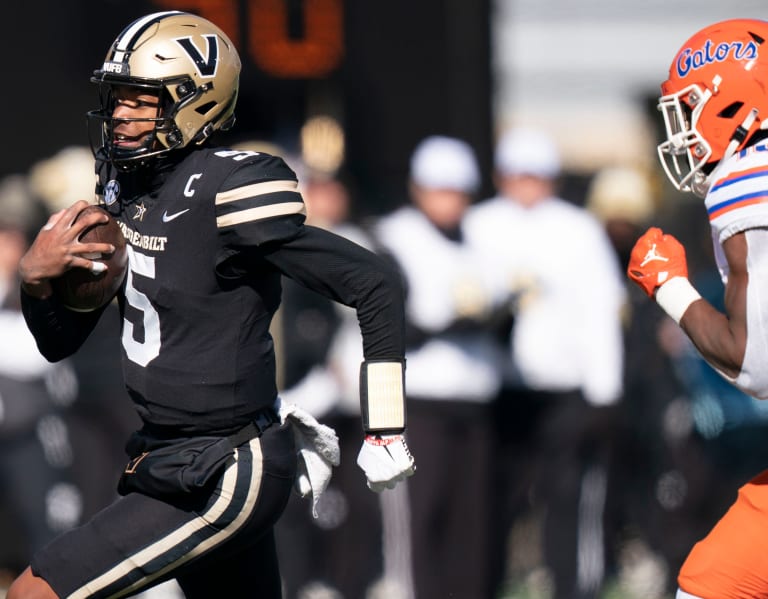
(210, 232)
(715, 111)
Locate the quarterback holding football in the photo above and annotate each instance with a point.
(209, 233)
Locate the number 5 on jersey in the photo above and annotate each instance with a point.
(140, 351)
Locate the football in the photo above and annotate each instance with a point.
(81, 290)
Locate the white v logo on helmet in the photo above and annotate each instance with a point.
(205, 64)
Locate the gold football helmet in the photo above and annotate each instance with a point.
(190, 64)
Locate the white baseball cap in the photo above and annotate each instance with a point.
(527, 152)
(445, 163)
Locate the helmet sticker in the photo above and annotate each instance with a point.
(206, 65)
(689, 60)
(119, 68)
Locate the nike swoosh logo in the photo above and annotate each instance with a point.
(169, 217)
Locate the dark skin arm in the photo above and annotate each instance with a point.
(722, 338)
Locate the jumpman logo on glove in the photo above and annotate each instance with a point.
(656, 258)
(653, 255)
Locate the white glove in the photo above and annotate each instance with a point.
(386, 461)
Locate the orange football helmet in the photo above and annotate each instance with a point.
(714, 100)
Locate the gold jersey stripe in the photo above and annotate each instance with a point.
(254, 214)
(256, 189)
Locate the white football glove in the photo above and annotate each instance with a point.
(386, 461)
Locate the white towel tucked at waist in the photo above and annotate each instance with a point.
(317, 450)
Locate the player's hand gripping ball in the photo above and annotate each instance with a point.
(83, 291)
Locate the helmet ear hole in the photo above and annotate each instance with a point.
(731, 110)
(204, 108)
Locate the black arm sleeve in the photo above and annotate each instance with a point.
(58, 331)
(354, 276)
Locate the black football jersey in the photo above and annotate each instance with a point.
(208, 239)
(195, 341)
(209, 235)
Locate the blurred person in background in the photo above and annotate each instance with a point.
(714, 108)
(453, 306)
(565, 361)
(38, 494)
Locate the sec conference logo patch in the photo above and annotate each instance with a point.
(111, 192)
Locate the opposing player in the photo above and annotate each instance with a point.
(210, 232)
(715, 108)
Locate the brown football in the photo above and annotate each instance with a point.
(81, 290)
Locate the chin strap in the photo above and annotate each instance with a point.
(740, 134)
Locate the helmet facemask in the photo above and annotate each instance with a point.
(685, 153)
(105, 141)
